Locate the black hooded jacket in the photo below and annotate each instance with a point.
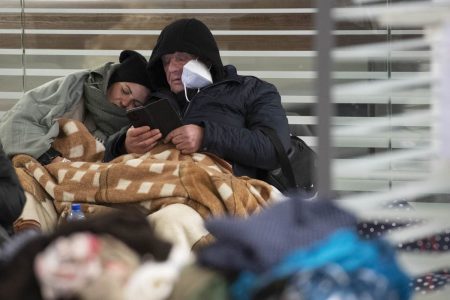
(185, 35)
(231, 109)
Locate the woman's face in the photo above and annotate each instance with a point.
(128, 94)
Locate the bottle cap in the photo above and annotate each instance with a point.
(76, 206)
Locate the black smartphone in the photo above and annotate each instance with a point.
(156, 114)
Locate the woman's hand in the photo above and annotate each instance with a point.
(141, 140)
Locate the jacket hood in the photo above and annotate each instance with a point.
(184, 35)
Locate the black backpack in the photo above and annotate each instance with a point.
(297, 167)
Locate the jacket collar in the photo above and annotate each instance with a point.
(231, 74)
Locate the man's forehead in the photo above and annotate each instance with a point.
(178, 53)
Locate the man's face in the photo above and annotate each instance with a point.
(173, 67)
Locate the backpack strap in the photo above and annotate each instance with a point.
(283, 159)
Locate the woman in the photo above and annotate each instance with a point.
(98, 98)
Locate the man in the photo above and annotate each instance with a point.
(222, 118)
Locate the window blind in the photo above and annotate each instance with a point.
(382, 137)
(273, 40)
(416, 162)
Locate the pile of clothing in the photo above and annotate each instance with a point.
(112, 256)
(435, 281)
(301, 249)
(296, 249)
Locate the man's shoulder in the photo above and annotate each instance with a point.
(255, 84)
(233, 74)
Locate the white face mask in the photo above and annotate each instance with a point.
(195, 75)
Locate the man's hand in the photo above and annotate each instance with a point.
(187, 138)
(141, 140)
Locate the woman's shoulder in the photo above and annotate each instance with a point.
(99, 75)
(104, 70)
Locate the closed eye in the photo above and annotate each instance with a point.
(136, 103)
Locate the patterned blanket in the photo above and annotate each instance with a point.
(150, 181)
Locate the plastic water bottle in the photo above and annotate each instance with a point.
(75, 213)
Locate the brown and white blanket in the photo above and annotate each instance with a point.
(150, 181)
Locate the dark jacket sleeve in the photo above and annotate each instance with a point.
(115, 145)
(247, 145)
(12, 197)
